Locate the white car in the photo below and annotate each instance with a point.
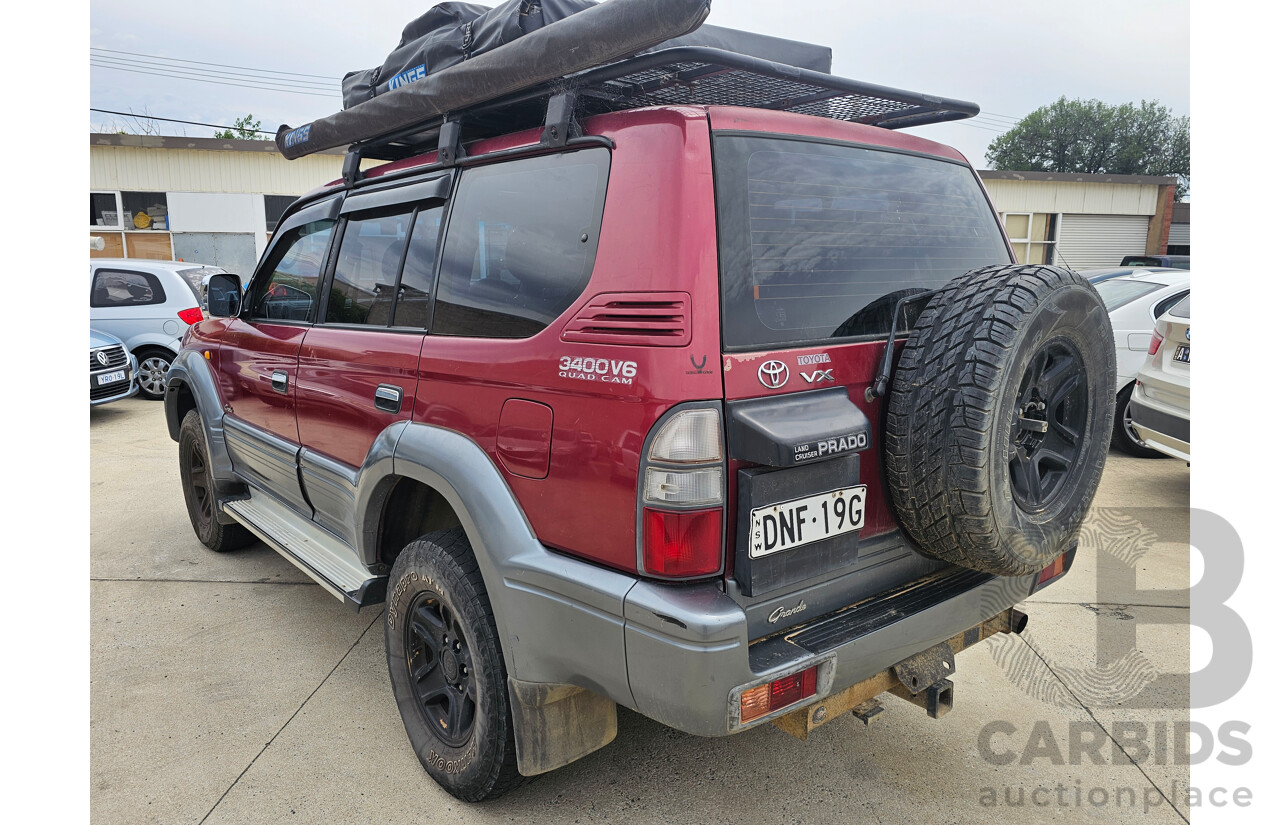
(1134, 301)
(1161, 404)
(148, 305)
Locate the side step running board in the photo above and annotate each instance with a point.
(313, 550)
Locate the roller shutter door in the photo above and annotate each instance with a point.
(1096, 241)
(1180, 234)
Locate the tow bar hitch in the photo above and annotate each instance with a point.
(923, 680)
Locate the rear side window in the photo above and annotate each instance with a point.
(521, 244)
(1166, 304)
(819, 241)
(194, 278)
(114, 288)
(364, 277)
(289, 292)
(413, 304)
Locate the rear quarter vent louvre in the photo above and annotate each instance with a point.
(645, 319)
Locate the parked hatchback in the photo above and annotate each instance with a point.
(148, 305)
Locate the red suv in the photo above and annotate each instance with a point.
(607, 410)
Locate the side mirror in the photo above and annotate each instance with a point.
(222, 295)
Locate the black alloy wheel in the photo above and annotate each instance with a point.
(1050, 419)
(447, 672)
(199, 493)
(441, 670)
(196, 487)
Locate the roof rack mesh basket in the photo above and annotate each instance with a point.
(691, 76)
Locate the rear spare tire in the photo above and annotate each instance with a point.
(999, 417)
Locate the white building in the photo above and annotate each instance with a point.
(194, 199)
(1083, 221)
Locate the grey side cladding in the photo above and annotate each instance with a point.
(559, 619)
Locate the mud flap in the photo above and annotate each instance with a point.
(558, 724)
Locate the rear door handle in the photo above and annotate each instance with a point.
(280, 381)
(388, 398)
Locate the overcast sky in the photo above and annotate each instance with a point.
(1009, 57)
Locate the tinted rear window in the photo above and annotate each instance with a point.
(1182, 309)
(1116, 294)
(819, 241)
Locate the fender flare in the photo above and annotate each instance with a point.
(192, 372)
(560, 620)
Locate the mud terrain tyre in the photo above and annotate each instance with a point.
(446, 668)
(999, 417)
(200, 494)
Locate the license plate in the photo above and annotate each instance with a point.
(110, 377)
(802, 521)
(1182, 353)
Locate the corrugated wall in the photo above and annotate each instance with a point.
(191, 170)
(1078, 198)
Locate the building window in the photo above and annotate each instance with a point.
(275, 206)
(1033, 235)
(145, 211)
(104, 210)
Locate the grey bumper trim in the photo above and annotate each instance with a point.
(1162, 422)
(687, 648)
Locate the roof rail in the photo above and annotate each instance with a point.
(687, 76)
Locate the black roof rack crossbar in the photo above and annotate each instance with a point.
(688, 76)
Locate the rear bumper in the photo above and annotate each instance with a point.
(682, 654)
(689, 659)
(1163, 426)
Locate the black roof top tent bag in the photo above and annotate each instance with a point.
(450, 33)
(595, 36)
(600, 59)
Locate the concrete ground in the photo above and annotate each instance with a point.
(229, 689)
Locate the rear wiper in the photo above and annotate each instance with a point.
(880, 388)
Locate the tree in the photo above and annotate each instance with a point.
(1093, 137)
(244, 129)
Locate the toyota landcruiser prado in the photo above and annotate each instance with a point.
(726, 415)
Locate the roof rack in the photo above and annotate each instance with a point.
(688, 76)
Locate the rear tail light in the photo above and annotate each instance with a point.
(765, 699)
(689, 437)
(682, 497)
(1156, 340)
(682, 543)
(687, 487)
(191, 316)
(1053, 571)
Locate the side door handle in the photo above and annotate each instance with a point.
(280, 382)
(388, 398)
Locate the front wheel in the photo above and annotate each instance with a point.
(446, 668)
(200, 494)
(153, 372)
